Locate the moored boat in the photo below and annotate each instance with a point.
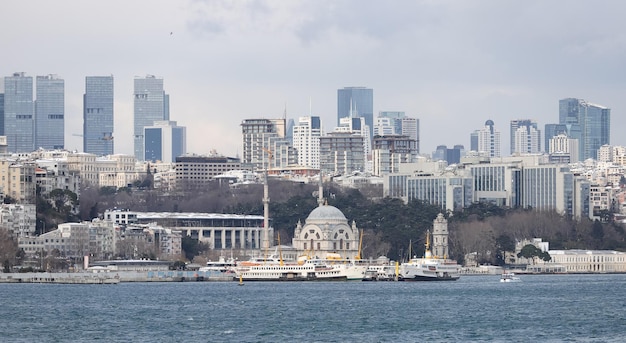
(429, 267)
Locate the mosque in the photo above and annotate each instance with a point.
(326, 233)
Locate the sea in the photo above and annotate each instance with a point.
(540, 308)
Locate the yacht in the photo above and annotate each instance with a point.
(429, 267)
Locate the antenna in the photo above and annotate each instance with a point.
(310, 107)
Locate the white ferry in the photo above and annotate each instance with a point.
(304, 270)
(429, 268)
(222, 266)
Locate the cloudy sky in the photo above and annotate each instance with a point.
(452, 64)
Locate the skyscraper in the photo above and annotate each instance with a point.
(356, 102)
(551, 130)
(587, 122)
(151, 104)
(164, 141)
(98, 115)
(257, 135)
(19, 110)
(1, 114)
(50, 112)
(306, 139)
(487, 140)
(525, 137)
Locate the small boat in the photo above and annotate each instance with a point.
(509, 277)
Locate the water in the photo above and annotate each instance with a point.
(541, 308)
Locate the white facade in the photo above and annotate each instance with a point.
(527, 140)
(306, 140)
(563, 144)
(489, 140)
(588, 261)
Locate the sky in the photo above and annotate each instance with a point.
(452, 64)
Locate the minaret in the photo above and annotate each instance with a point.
(440, 237)
(266, 213)
(320, 191)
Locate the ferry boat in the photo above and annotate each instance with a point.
(312, 269)
(429, 267)
(222, 266)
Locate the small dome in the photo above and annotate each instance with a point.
(326, 213)
(489, 122)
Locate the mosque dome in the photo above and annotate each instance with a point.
(326, 214)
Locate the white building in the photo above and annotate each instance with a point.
(164, 141)
(306, 140)
(488, 140)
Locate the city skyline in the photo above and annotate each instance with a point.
(451, 65)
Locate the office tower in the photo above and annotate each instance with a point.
(356, 102)
(150, 104)
(164, 141)
(527, 140)
(256, 136)
(98, 115)
(451, 156)
(50, 113)
(587, 122)
(19, 113)
(487, 140)
(525, 137)
(1, 114)
(306, 140)
(552, 130)
(390, 120)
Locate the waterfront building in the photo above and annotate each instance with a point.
(589, 123)
(19, 113)
(50, 113)
(194, 170)
(256, 135)
(578, 261)
(342, 153)
(487, 140)
(390, 151)
(525, 137)
(356, 102)
(98, 115)
(219, 231)
(325, 234)
(306, 140)
(150, 104)
(164, 141)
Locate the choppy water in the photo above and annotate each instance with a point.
(546, 308)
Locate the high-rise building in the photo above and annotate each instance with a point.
(487, 140)
(388, 152)
(411, 128)
(451, 156)
(552, 130)
(356, 102)
(258, 136)
(19, 113)
(563, 149)
(525, 137)
(587, 122)
(164, 141)
(50, 113)
(306, 140)
(98, 115)
(1, 114)
(150, 104)
(342, 153)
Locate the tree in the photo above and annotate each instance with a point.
(192, 247)
(8, 250)
(530, 251)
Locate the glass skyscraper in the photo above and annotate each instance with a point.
(50, 113)
(19, 110)
(98, 115)
(587, 122)
(360, 101)
(150, 104)
(164, 141)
